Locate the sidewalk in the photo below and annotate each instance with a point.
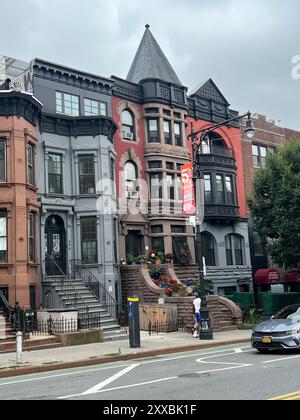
(110, 351)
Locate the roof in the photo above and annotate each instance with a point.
(151, 62)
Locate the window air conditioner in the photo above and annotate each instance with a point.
(128, 136)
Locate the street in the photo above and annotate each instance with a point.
(235, 372)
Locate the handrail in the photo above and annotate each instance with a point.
(66, 283)
(7, 308)
(93, 284)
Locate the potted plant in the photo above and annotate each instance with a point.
(163, 280)
(143, 259)
(168, 291)
(130, 259)
(160, 255)
(123, 261)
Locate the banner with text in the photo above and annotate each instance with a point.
(188, 192)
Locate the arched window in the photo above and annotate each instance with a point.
(127, 125)
(208, 248)
(131, 176)
(213, 143)
(234, 249)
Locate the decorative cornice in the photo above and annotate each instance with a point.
(76, 78)
(20, 105)
(78, 126)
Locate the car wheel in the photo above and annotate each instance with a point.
(263, 351)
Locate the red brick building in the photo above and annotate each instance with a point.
(154, 113)
(19, 208)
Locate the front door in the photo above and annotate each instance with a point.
(134, 244)
(55, 246)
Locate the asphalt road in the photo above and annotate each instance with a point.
(224, 373)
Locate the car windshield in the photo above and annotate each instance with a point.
(291, 312)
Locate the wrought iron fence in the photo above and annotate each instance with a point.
(166, 327)
(29, 324)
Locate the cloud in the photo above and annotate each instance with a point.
(246, 47)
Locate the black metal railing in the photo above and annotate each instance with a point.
(29, 324)
(6, 308)
(67, 289)
(166, 327)
(80, 271)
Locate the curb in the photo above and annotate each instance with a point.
(7, 373)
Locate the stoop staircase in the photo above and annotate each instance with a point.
(82, 292)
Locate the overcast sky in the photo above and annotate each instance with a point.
(246, 47)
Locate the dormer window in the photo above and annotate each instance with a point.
(67, 104)
(127, 125)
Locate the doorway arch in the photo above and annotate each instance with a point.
(55, 246)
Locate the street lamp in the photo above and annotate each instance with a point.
(197, 139)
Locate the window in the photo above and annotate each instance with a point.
(155, 164)
(234, 249)
(179, 188)
(260, 153)
(127, 125)
(207, 189)
(208, 248)
(153, 132)
(2, 160)
(263, 156)
(220, 189)
(155, 186)
(131, 176)
(86, 174)
(3, 236)
(170, 186)
(167, 132)
(167, 112)
(92, 108)
(30, 164)
(89, 240)
(31, 237)
(238, 249)
(228, 244)
(170, 166)
(158, 244)
(55, 174)
(229, 190)
(67, 104)
(157, 229)
(178, 134)
(178, 229)
(152, 111)
(177, 115)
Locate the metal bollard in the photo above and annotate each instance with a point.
(19, 345)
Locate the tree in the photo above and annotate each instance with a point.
(275, 204)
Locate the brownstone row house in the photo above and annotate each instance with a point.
(19, 207)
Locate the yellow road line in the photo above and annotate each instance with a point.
(294, 396)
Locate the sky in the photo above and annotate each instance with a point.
(250, 48)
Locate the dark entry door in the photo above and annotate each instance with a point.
(134, 244)
(55, 246)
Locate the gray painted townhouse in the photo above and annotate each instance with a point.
(75, 180)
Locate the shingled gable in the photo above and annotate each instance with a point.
(150, 62)
(209, 90)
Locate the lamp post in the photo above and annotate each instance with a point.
(197, 139)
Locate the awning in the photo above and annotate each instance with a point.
(292, 276)
(267, 276)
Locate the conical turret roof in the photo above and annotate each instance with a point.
(151, 62)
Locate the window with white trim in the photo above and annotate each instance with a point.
(67, 104)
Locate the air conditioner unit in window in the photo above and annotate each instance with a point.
(127, 135)
(132, 194)
(135, 194)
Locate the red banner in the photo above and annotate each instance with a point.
(188, 192)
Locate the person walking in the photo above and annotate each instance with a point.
(197, 309)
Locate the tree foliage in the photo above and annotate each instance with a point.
(275, 204)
